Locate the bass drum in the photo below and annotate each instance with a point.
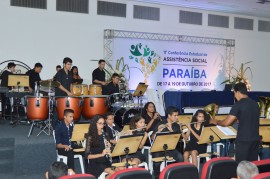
(93, 105)
(123, 116)
(74, 103)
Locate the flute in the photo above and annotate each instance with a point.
(187, 123)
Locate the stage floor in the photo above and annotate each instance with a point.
(23, 157)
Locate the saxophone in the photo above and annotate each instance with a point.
(264, 104)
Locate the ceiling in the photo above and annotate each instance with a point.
(243, 7)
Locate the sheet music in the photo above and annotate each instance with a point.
(226, 130)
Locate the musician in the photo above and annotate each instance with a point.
(64, 77)
(247, 112)
(194, 131)
(57, 68)
(76, 77)
(113, 86)
(63, 134)
(168, 125)
(137, 124)
(111, 128)
(98, 75)
(152, 118)
(6, 106)
(98, 148)
(34, 76)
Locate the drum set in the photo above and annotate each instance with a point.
(86, 102)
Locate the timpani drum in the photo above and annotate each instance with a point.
(74, 103)
(95, 90)
(79, 90)
(92, 105)
(37, 108)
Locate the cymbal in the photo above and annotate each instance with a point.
(48, 83)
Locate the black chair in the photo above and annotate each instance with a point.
(132, 173)
(263, 165)
(78, 176)
(183, 170)
(219, 168)
(262, 176)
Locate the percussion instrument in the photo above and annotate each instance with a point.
(116, 100)
(128, 98)
(95, 90)
(79, 90)
(37, 108)
(74, 103)
(97, 104)
(123, 116)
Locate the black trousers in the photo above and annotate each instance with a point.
(175, 154)
(246, 150)
(6, 106)
(70, 157)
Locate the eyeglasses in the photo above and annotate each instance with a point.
(100, 123)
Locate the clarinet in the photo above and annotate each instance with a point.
(106, 146)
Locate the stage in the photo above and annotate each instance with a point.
(22, 157)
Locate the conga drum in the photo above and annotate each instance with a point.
(74, 103)
(37, 108)
(93, 105)
(95, 90)
(77, 90)
(84, 89)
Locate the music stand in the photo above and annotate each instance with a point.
(163, 142)
(222, 134)
(264, 132)
(140, 90)
(127, 145)
(17, 81)
(208, 136)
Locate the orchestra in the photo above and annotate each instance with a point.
(99, 102)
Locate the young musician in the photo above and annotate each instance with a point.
(63, 134)
(152, 118)
(65, 78)
(113, 86)
(168, 125)
(194, 131)
(98, 148)
(137, 126)
(6, 106)
(112, 129)
(34, 76)
(98, 75)
(76, 77)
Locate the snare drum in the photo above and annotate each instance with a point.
(123, 116)
(95, 90)
(79, 90)
(37, 108)
(74, 103)
(116, 100)
(93, 105)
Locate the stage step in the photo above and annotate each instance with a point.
(7, 155)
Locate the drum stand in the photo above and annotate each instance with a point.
(48, 123)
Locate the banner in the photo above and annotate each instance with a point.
(170, 64)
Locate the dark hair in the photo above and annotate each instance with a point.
(57, 169)
(58, 66)
(134, 120)
(66, 60)
(170, 110)
(109, 113)
(67, 111)
(200, 111)
(241, 87)
(93, 131)
(101, 61)
(11, 64)
(74, 68)
(146, 107)
(37, 65)
(115, 75)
